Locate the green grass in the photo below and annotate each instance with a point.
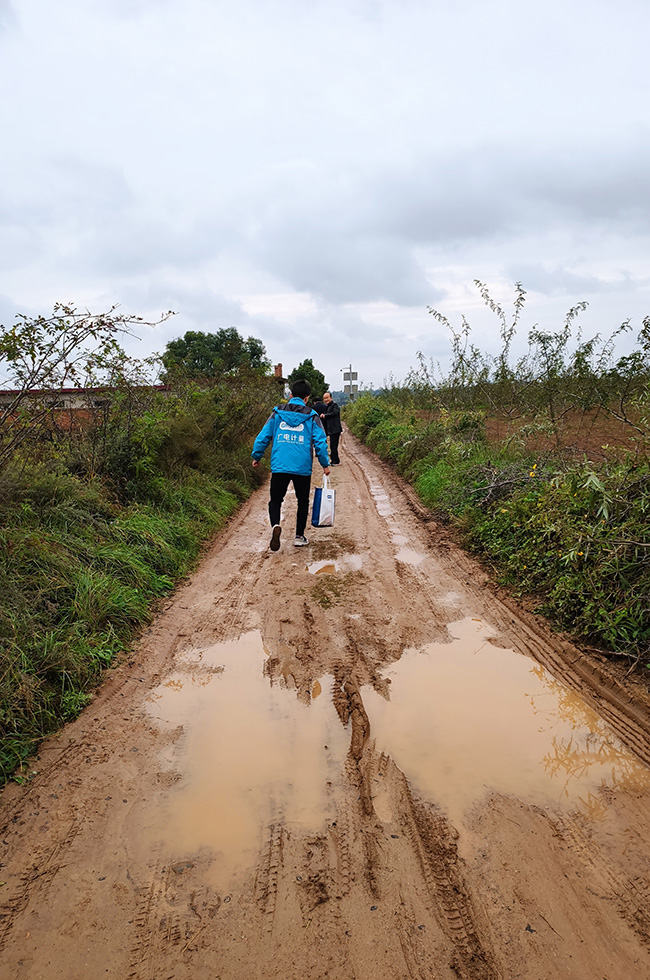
(76, 581)
(78, 576)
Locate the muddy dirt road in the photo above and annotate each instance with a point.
(354, 761)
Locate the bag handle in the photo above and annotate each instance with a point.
(326, 482)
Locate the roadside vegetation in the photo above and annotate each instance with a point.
(541, 464)
(106, 500)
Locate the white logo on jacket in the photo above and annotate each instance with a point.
(292, 428)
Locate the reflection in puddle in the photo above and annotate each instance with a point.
(329, 567)
(466, 717)
(409, 557)
(382, 500)
(325, 568)
(251, 753)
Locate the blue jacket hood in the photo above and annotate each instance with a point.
(294, 415)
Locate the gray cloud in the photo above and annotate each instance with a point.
(498, 190)
(207, 309)
(612, 188)
(9, 310)
(558, 281)
(54, 204)
(350, 240)
(345, 268)
(8, 17)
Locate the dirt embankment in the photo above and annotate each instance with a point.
(355, 760)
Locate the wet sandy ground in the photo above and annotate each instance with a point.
(353, 760)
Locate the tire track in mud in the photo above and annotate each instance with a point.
(158, 932)
(234, 599)
(341, 833)
(175, 919)
(432, 840)
(630, 896)
(268, 873)
(35, 882)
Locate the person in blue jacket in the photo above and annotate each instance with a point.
(294, 431)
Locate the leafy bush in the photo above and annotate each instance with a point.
(580, 542)
(365, 414)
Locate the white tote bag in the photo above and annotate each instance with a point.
(322, 514)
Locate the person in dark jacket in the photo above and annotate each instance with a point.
(319, 406)
(332, 422)
(294, 431)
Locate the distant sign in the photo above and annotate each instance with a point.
(350, 376)
(350, 389)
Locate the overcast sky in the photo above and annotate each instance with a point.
(317, 173)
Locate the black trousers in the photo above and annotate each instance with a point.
(279, 486)
(334, 446)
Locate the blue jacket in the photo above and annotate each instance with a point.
(294, 431)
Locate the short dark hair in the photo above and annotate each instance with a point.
(301, 389)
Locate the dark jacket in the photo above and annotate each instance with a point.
(332, 419)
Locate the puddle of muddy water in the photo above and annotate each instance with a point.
(323, 568)
(409, 557)
(404, 554)
(381, 499)
(468, 717)
(352, 563)
(250, 754)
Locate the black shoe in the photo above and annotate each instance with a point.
(275, 538)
